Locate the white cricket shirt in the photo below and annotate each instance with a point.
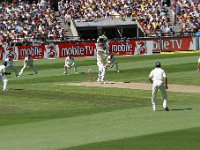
(157, 74)
(2, 69)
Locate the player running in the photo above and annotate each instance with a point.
(10, 64)
(28, 62)
(2, 77)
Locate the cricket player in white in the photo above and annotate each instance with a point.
(101, 66)
(102, 51)
(28, 62)
(2, 77)
(198, 65)
(111, 62)
(158, 79)
(70, 62)
(102, 44)
(10, 64)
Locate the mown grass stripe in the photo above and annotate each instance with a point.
(180, 140)
(58, 133)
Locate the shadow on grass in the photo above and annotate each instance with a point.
(123, 82)
(16, 89)
(180, 109)
(177, 109)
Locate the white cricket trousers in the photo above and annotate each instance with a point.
(25, 66)
(69, 66)
(5, 82)
(158, 84)
(101, 73)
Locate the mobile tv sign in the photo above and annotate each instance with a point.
(77, 49)
(37, 52)
(122, 48)
(173, 44)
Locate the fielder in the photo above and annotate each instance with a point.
(28, 62)
(10, 64)
(70, 62)
(2, 77)
(111, 62)
(158, 79)
(198, 65)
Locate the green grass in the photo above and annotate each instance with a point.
(37, 113)
(179, 139)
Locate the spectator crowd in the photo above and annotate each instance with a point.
(187, 14)
(21, 20)
(153, 15)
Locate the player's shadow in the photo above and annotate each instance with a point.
(180, 109)
(177, 109)
(31, 74)
(16, 89)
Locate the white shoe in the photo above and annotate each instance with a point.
(102, 82)
(118, 71)
(5, 89)
(154, 109)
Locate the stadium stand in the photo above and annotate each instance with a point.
(22, 20)
(154, 16)
(187, 15)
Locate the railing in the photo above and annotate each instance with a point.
(71, 39)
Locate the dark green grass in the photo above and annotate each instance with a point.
(40, 105)
(179, 140)
(77, 117)
(37, 105)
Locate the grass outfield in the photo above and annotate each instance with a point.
(38, 114)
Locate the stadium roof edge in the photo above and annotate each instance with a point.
(106, 22)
